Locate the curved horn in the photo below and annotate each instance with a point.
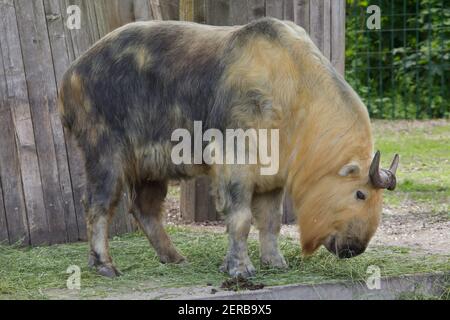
(382, 178)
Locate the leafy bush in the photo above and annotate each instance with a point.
(402, 70)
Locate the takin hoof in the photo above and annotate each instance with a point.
(108, 270)
(236, 268)
(172, 257)
(104, 269)
(274, 261)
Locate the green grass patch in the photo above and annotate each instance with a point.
(28, 273)
(424, 172)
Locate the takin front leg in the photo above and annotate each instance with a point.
(267, 210)
(148, 213)
(239, 217)
(100, 204)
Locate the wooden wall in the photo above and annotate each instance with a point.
(325, 22)
(41, 173)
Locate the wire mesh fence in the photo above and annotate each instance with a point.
(401, 67)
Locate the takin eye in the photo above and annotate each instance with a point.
(360, 195)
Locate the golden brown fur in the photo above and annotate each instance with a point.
(324, 126)
(123, 99)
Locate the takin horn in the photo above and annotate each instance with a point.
(382, 178)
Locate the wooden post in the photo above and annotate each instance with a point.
(196, 202)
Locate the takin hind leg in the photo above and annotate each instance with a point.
(148, 213)
(267, 210)
(102, 198)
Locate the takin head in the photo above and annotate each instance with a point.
(345, 218)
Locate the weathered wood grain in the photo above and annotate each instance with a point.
(169, 9)
(301, 14)
(256, 9)
(142, 10)
(218, 12)
(239, 12)
(289, 10)
(316, 20)
(275, 8)
(25, 208)
(157, 11)
(4, 238)
(38, 66)
(338, 35)
(61, 62)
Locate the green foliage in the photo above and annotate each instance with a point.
(423, 178)
(402, 70)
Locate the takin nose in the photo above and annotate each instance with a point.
(347, 250)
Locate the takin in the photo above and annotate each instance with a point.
(123, 99)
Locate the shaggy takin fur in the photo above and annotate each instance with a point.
(123, 99)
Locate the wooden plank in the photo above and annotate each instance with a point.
(338, 35)
(187, 10)
(289, 10)
(90, 17)
(12, 211)
(327, 29)
(316, 16)
(77, 42)
(60, 64)
(256, 9)
(196, 202)
(76, 163)
(238, 12)
(125, 11)
(275, 8)
(38, 65)
(218, 12)
(101, 12)
(200, 11)
(188, 201)
(4, 238)
(23, 166)
(169, 9)
(156, 10)
(192, 10)
(301, 14)
(142, 10)
(4, 109)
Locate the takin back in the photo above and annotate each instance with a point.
(123, 99)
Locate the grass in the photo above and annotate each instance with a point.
(28, 273)
(424, 172)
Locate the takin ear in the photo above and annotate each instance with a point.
(350, 169)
